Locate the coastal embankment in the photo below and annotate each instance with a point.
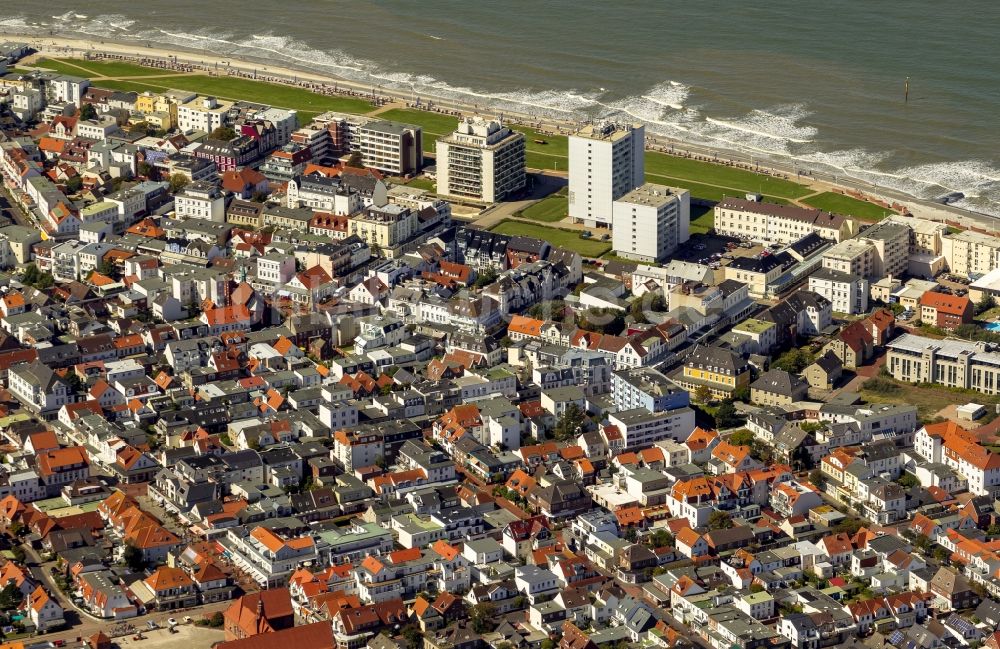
(184, 61)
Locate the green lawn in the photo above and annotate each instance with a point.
(551, 155)
(702, 219)
(434, 125)
(840, 204)
(307, 103)
(548, 210)
(929, 399)
(569, 239)
(422, 182)
(131, 86)
(713, 174)
(100, 68)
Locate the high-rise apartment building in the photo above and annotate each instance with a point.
(481, 161)
(650, 222)
(605, 163)
(391, 147)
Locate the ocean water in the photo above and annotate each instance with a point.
(818, 85)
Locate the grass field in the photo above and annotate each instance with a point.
(99, 68)
(131, 86)
(307, 103)
(548, 210)
(569, 239)
(551, 155)
(929, 399)
(704, 179)
(702, 219)
(422, 182)
(744, 181)
(840, 204)
(434, 125)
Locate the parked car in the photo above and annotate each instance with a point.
(172, 622)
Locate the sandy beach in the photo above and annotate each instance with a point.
(209, 63)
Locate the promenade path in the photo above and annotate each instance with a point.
(924, 209)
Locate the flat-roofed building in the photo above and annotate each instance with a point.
(650, 222)
(202, 114)
(481, 161)
(970, 253)
(390, 147)
(926, 237)
(950, 362)
(847, 292)
(892, 248)
(851, 256)
(605, 163)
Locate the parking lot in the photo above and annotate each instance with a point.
(716, 251)
(186, 635)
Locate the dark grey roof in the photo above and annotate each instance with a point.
(780, 382)
(829, 362)
(756, 265)
(711, 356)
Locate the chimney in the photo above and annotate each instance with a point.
(260, 614)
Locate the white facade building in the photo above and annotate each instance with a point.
(650, 222)
(482, 161)
(201, 200)
(848, 293)
(390, 147)
(202, 114)
(605, 163)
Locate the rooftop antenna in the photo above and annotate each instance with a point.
(906, 90)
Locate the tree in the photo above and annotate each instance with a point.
(703, 394)
(661, 538)
(570, 422)
(794, 361)
(105, 268)
(941, 554)
(605, 321)
(76, 384)
(742, 437)
(907, 480)
(818, 479)
(10, 597)
(145, 169)
(31, 274)
(727, 417)
(74, 184)
(481, 617)
(216, 620)
(985, 303)
(46, 280)
(178, 182)
(485, 278)
(355, 160)
(719, 520)
(412, 636)
(993, 530)
(87, 111)
(132, 556)
(224, 133)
